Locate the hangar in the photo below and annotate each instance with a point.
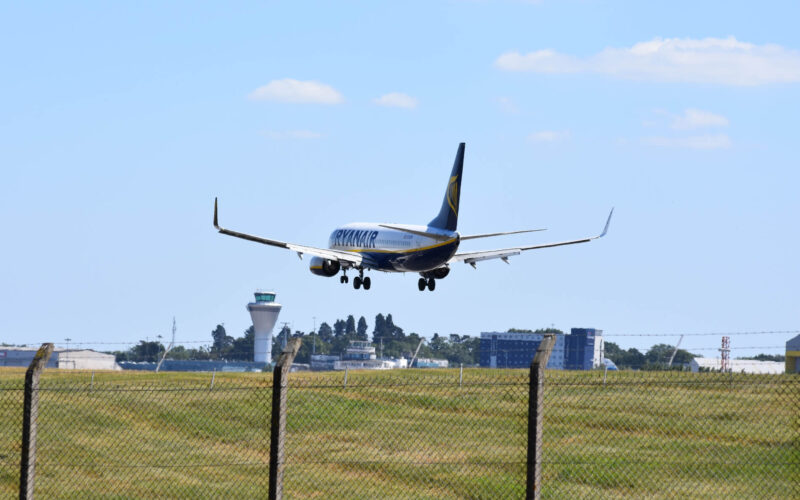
(793, 355)
(72, 359)
(736, 365)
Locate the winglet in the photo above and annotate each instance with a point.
(216, 224)
(608, 221)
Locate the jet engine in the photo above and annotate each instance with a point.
(438, 273)
(324, 267)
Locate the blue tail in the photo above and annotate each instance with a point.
(448, 215)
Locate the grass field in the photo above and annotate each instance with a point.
(407, 434)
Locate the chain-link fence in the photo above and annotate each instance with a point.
(671, 435)
(142, 436)
(407, 434)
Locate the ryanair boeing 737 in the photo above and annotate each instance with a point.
(427, 250)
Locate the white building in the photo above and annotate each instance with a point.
(738, 365)
(264, 313)
(71, 359)
(360, 355)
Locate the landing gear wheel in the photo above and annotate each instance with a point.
(431, 284)
(422, 284)
(366, 282)
(357, 282)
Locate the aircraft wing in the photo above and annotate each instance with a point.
(350, 259)
(472, 257)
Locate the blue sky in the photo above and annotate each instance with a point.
(122, 122)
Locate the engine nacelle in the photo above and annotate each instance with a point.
(324, 267)
(438, 273)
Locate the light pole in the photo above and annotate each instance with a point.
(314, 337)
(66, 352)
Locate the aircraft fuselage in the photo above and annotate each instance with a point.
(393, 250)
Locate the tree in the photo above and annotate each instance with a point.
(437, 343)
(243, 348)
(221, 339)
(457, 349)
(767, 357)
(631, 358)
(380, 328)
(392, 330)
(350, 328)
(146, 351)
(538, 330)
(325, 332)
(660, 354)
(339, 327)
(361, 329)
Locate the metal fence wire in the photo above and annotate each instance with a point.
(407, 434)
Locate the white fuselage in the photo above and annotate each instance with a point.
(387, 249)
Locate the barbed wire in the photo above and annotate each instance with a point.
(698, 334)
(604, 335)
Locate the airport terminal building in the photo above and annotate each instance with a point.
(581, 349)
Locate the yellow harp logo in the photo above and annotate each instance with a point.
(452, 194)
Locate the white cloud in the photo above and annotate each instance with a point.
(296, 91)
(541, 61)
(396, 100)
(290, 134)
(548, 136)
(696, 118)
(507, 105)
(724, 61)
(712, 141)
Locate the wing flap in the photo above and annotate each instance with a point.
(472, 257)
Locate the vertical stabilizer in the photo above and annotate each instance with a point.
(448, 215)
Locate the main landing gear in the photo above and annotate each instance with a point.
(430, 283)
(358, 281)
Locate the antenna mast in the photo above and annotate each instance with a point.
(725, 355)
(170, 346)
(674, 352)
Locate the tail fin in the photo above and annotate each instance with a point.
(448, 215)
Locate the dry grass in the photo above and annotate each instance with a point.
(407, 434)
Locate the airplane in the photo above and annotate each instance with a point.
(428, 250)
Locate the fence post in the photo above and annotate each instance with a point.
(280, 377)
(27, 463)
(535, 407)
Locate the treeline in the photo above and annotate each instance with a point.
(390, 341)
(656, 358)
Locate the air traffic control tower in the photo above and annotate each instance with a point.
(264, 312)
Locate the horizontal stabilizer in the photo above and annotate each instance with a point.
(435, 236)
(489, 235)
(472, 257)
